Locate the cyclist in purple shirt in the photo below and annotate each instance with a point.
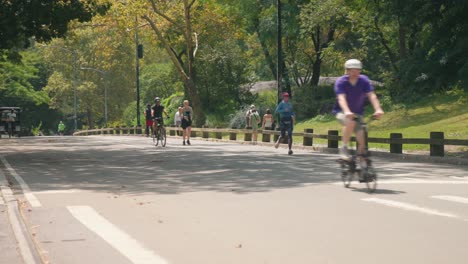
(351, 91)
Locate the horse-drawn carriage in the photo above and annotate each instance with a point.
(10, 121)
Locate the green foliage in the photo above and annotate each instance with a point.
(41, 19)
(18, 79)
(159, 80)
(223, 79)
(309, 101)
(130, 116)
(36, 130)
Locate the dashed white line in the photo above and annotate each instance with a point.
(450, 198)
(409, 207)
(27, 192)
(117, 238)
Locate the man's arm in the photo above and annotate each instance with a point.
(279, 108)
(344, 105)
(376, 104)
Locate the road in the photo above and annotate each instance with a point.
(105, 199)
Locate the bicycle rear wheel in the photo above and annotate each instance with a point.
(163, 136)
(347, 173)
(370, 176)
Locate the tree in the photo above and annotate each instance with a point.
(172, 23)
(42, 19)
(320, 21)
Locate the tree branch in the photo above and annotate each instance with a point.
(383, 41)
(168, 48)
(170, 20)
(191, 4)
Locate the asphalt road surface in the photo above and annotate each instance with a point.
(107, 199)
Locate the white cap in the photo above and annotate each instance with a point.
(353, 64)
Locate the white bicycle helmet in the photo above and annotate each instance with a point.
(353, 64)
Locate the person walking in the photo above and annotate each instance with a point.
(178, 119)
(61, 128)
(248, 123)
(352, 90)
(267, 123)
(149, 120)
(287, 120)
(186, 123)
(254, 121)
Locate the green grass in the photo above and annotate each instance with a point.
(445, 113)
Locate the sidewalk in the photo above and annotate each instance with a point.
(9, 250)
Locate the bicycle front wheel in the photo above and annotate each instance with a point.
(163, 136)
(156, 138)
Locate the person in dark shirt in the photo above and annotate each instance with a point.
(157, 112)
(149, 120)
(186, 122)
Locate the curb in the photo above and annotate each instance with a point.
(380, 154)
(26, 245)
(374, 153)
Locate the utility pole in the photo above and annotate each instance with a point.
(137, 68)
(280, 54)
(74, 91)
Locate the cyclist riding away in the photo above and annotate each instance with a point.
(351, 91)
(157, 111)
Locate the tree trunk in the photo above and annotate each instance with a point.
(402, 39)
(199, 114)
(186, 72)
(316, 69)
(266, 52)
(89, 116)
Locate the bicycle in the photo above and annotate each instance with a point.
(365, 171)
(159, 134)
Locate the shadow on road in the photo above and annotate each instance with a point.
(377, 191)
(135, 166)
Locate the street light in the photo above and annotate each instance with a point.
(104, 73)
(73, 52)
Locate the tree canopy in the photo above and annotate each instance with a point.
(213, 51)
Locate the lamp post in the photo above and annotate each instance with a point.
(73, 52)
(104, 73)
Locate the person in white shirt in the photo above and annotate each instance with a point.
(178, 119)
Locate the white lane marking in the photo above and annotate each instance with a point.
(459, 177)
(27, 192)
(117, 238)
(415, 182)
(409, 207)
(16, 224)
(450, 198)
(1, 201)
(59, 191)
